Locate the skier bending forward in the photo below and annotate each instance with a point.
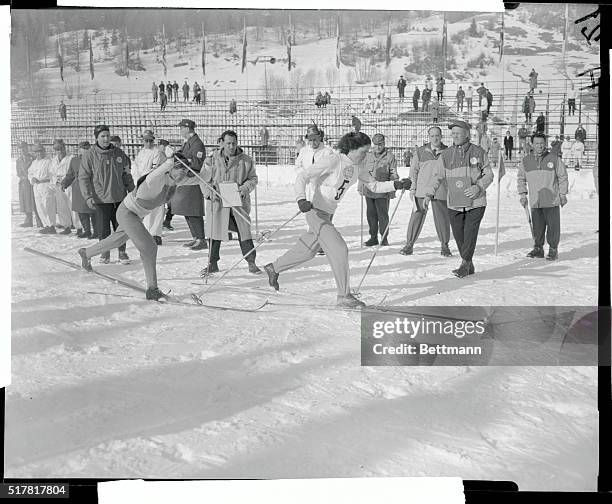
(152, 190)
(329, 178)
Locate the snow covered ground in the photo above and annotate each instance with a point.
(106, 386)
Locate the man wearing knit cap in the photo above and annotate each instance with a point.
(468, 174)
(40, 176)
(146, 161)
(60, 163)
(105, 179)
(188, 200)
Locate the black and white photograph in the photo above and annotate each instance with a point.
(209, 206)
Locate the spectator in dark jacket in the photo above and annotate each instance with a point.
(460, 97)
(508, 145)
(415, 98)
(233, 107)
(533, 79)
(440, 87)
(401, 85)
(482, 91)
(105, 179)
(540, 123)
(580, 133)
(79, 205)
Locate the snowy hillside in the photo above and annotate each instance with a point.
(110, 386)
(527, 45)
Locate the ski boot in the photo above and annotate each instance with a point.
(445, 251)
(384, 243)
(124, 258)
(210, 269)
(158, 239)
(190, 244)
(536, 252)
(199, 245)
(406, 250)
(371, 242)
(463, 270)
(154, 294)
(253, 268)
(349, 301)
(553, 255)
(85, 262)
(272, 276)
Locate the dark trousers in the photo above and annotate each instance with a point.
(196, 226)
(377, 212)
(401, 93)
(460, 104)
(415, 104)
(440, 94)
(546, 220)
(88, 221)
(508, 152)
(245, 245)
(469, 104)
(169, 214)
(106, 215)
(571, 103)
(465, 226)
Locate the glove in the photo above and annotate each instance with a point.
(90, 203)
(524, 201)
(404, 184)
(563, 199)
(243, 191)
(426, 201)
(305, 205)
(472, 191)
(34, 180)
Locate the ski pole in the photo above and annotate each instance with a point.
(212, 230)
(361, 243)
(384, 237)
(251, 251)
(238, 210)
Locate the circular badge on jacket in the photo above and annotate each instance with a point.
(119, 159)
(459, 184)
(474, 160)
(348, 172)
(550, 164)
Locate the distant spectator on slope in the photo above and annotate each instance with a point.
(154, 90)
(196, 91)
(440, 87)
(435, 109)
(533, 79)
(368, 105)
(401, 86)
(426, 96)
(577, 154)
(62, 110)
(525, 108)
(175, 87)
(264, 136)
(382, 93)
(326, 99)
(580, 133)
(163, 101)
(469, 96)
(571, 101)
(233, 107)
(460, 97)
(415, 98)
(429, 83)
(540, 123)
(566, 150)
(532, 106)
(489, 97)
(484, 108)
(508, 145)
(379, 105)
(494, 152)
(185, 91)
(162, 88)
(319, 99)
(482, 92)
(522, 134)
(356, 124)
(169, 92)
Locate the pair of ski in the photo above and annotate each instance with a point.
(195, 299)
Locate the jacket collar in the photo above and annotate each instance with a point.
(99, 149)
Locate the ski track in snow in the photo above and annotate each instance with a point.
(118, 387)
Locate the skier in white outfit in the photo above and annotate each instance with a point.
(147, 159)
(331, 178)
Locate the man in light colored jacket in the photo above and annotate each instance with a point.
(543, 176)
(468, 174)
(424, 168)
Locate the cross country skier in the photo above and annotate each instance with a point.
(330, 178)
(152, 190)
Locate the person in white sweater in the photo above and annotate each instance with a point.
(147, 160)
(331, 177)
(40, 175)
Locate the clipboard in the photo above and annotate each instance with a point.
(456, 187)
(230, 197)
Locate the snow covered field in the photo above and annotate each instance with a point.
(105, 386)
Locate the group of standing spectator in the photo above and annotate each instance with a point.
(169, 92)
(322, 99)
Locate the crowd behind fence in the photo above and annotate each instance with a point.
(287, 118)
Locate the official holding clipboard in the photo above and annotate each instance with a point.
(234, 177)
(467, 175)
